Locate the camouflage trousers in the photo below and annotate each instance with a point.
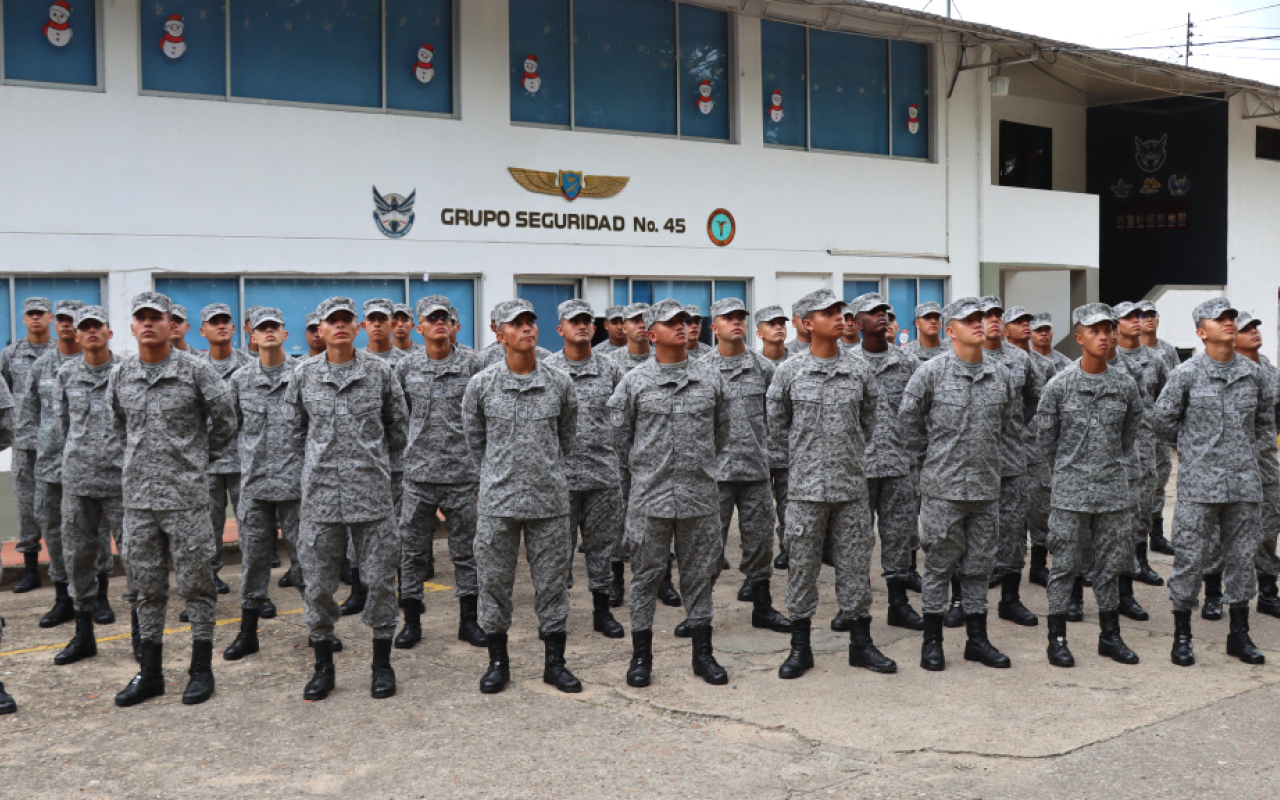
(547, 549)
(1011, 546)
(781, 480)
(599, 514)
(754, 501)
(49, 515)
(24, 497)
(698, 552)
(153, 540)
(222, 487)
(397, 501)
(1266, 562)
(321, 546)
(1038, 502)
(958, 536)
(259, 521)
(1193, 535)
(620, 552)
(1078, 539)
(88, 525)
(895, 505)
(848, 525)
(1164, 468)
(418, 521)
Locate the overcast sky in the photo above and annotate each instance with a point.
(1120, 24)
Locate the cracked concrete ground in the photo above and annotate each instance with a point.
(1150, 730)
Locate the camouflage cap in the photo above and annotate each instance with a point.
(248, 313)
(1146, 306)
(815, 301)
(512, 309)
(453, 314)
(930, 307)
(36, 304)
(178, 312)
(91, 312)
(313, 319)
(869, 302)
(727, 305)
(152, 300)
(693, 311)
(263, 314)
(1122, 310)
(634, 310)
(1245, 320)
(1213, 309)
(1042, 320)
(769, 314)
(1016, 313)
(662, 311)
(614, 312)
(1092, 313)
(67, 308)
(575, 308)
(213, 310)
(431, 304)
(334, 305)
(403, 308)
(493, 312)
(961, 308)
(989, 303)
(378, 305)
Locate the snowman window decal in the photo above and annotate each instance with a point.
(57, 30)
(424, 70)
(172, 44)
(531, 82)
(775, 106)
(705, 103)
(913, 118)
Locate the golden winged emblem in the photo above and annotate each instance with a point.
(569, 185)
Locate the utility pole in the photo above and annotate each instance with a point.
(1186, 57)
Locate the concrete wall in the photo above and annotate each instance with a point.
(1068, 123)
(1253, 237)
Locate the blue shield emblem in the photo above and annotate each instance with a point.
(570, 183)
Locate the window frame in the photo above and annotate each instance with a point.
(99, 57)
(882, 286)
(747, 280)
(10, 280)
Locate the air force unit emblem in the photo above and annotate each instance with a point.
(570, 185)
(393, 213)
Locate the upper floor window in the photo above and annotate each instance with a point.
(54, 43)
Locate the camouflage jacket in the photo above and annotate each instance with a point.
(593, 462)
(226, 460)
(923, 353)
(497, 351)
(700, 350)
(887, 454)
(622, 356)
(39, 410)
(436, 445)
(6, 416)
(1019, 448)
(270, 455)
(92, 450)
(16, 361)
(746, 380)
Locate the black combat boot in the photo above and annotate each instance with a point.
(1086, 578)
(411, 633)
(355, 601)
(683, 630)
(1238, 642)
(763, 614)
(200, 684)
(667, 591)
(63, 610)
(602, 620)
(383, 683)
(828, 551)
(345, 572)
(931, 656)
(1182, 653)
(1075, 606)
(246, 641)
(954, 617)
(914, 581)
(842, 622)
(782, 561)
(800, 659)
(495, 680)
(1010, 606)
(268, 609)
(978, 647)
(335, 644)
(705, 665)
(82, 645)
(1268, 595)
(1129, 606)
(149, 682)
(1212, 609)
(103, 614)
(1159, 544)
(618, 588)
(219, 585)
(322, 679)
(1109, 642)
(275, 553)
(469, 629)
(7, 705)
(901, 614)
(30, 574)
(286, 580)
(863, 651)
(135, 635)
(638, 672)
(1145, 573)
(1039, 572)
(554, 672)
(1059, 653)
(744, 591)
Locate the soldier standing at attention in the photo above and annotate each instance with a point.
(852, 335)
(694, 344)
(591, 469)
(496, 352)
(172, 411)
(801, 342)
(616, 327)
(315, 342)
(1267, 564)
(15, 364)
(928, 343)
(270, 472)
(742, 469)
(402, 329)
(955, 413)
(771, 329)
(638, 349)
(378, 326)
(519, 416)
(250, 347)
(1164, 461)
(38, 411)
(1042, 342)
(1218, 409)
(1089, 422)
(91, 500)
(824, 404)
(454, 327)
(179, 328)
(350, 413)
(440, 476)
(1047, 362)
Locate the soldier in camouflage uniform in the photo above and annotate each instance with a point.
(595, 492)
(1267, 564)
(402, 328)
(771, 329)
(955, 413)
(742, 469)
(519, 416)
(1218, 409)
(1164, 460)
(15, 365)
(440, 474)
(179, 328)
(616, 326)
(37, 410)
(456, 326)
(823, 403)
(270, 471)
(496, 352)
(672, 420)
(801, 342)
(315, 342)
(1047, 362)
(696, 347)
(1089, 423)
(852, 336)
(172, 411)
(929, 343)
(91, 502)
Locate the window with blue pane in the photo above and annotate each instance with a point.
(539, 53)
(6, 320)
(195, 294)
(546, 299)
(625, 65)
(903, 297)
(462, 296)
(909, 104)
(320, 51)
(297, 297)
(856, 288)
(784, 83)
(51, 42)
(704, 73)
(419, 43)
(849, 88)
(621, 293)
(736, 289)
(184, 47)
(87, 290)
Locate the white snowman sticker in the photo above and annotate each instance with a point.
(705, 103)
(775, 106)
(424, 70)
(913, 118)
(532, 81)
(57, 30)
(173, 45)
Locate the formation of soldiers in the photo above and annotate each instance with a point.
(966, 444)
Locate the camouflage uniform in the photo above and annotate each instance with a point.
(628, 361)
(700, 350)
(1267, 562)
(914, 348)
(496, 352)
(1150, 372)
(520, 429)
(16, 361)
(1038, 501)
(795, 346)
(779, 462)
(1164, 461)
(1018, 456)
(224, 463)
